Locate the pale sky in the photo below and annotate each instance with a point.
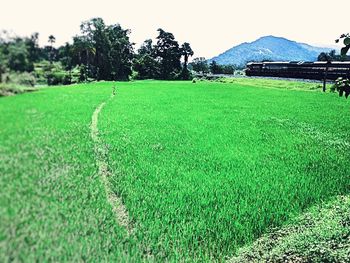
(211, 27)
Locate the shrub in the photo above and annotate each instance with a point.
(8, 90)
(55, 74)
(17, 78)
(342, 86)
(75, 75)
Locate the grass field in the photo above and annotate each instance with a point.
(52, 204)
(319, 235)
(202, 168)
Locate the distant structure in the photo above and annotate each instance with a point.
(300, 70)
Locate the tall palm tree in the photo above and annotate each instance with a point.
(187, 52)
(51, 40)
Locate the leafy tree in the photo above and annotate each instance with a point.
(343, 85)
(200, 65)
(145, 62)
(3, 62)
(221, 69)
(332, 56)
(18, 56)
(105, 50)
(121, 52)
(3, 66)
(162, 60)
(83, 53)
(323, 56)
(32, 44)
(214, 67)
(95, 33)
(65, 55)
(169, 54)
(227, 69)
(346, 42)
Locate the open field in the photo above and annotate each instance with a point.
(202, 168)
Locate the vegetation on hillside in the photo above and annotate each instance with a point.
(269, 48)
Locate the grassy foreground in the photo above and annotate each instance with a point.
(320, 235)
(203, 168)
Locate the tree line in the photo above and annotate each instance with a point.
(99, 52)
(332, 56)
(201, 66)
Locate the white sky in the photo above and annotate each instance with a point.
(211, 27)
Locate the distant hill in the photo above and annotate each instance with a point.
(269, 48)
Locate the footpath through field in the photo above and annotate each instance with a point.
(121, 214)
(53, 204)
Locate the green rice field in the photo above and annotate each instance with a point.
(202, 169)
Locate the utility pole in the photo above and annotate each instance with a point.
(325, 76)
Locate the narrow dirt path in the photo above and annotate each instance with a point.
(101, 153)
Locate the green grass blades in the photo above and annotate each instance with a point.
(52, 204)
(202, 168)
(320, 235)
(205, 168)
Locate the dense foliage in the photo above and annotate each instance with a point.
(99, 52)
(105, 51)
(201, 66)
(163, 59)
(332, 56)
(346, 42)
(343, 85)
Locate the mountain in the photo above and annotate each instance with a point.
(269, 48)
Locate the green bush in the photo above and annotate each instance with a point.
(342, 86)
(134, 75)
(8, 90)
(55, 74)
(75, 75)
(17, 78)
(40, 70)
